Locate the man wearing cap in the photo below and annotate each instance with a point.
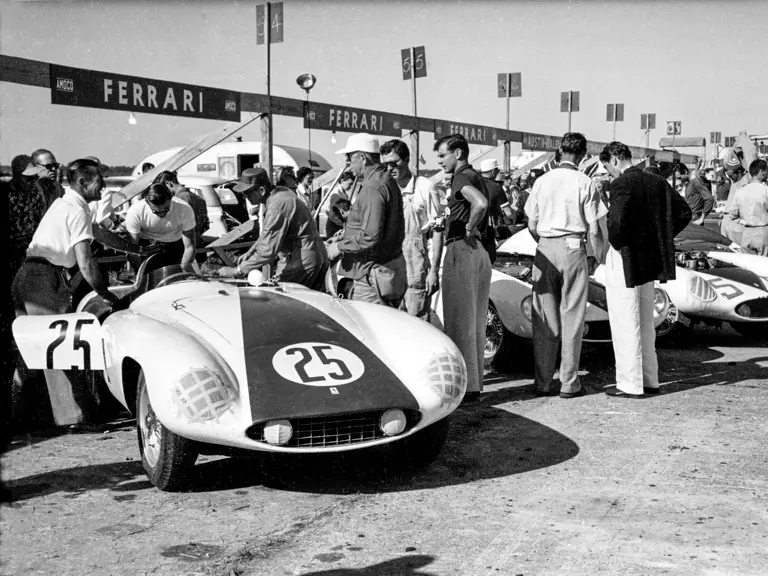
(41, 286)
(421, 209)
(750, 209)
(288, 233)
(371, 249)
(489, 169)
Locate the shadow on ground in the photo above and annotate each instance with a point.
(404, 566)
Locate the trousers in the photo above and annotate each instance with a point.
(384, 284)
(466, 283)
(416, 262)
(560, 281)
(755, 240)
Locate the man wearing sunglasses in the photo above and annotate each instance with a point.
(371, 248)
(167, 221)
(421, 210)
(44, 170)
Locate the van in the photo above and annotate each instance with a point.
(228, 159)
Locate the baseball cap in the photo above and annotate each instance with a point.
(250, 178)
(20, 163)
(361, 143)
(34, 170)
(488, 165)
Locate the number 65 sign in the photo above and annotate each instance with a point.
(60, 342)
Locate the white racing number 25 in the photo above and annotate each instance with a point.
(317, 364)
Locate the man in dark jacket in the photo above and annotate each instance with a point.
(371, 249)
(644, 216)
(489, 170)
(698, 194)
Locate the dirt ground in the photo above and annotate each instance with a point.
(674, 484)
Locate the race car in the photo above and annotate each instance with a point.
(208, 365)
(508, 322)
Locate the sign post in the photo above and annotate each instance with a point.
(569, 102)
(615, 113)
(269, 29)
(510, 85)
(648, 123)
(414, 65)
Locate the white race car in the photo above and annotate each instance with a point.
(510, 304)
(210, 364)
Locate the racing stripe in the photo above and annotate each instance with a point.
(736, 274)
(283, 333)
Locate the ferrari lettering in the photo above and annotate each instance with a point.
(726, 289)
(318, 364)
(145, 95)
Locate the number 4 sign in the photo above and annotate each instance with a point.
(63, 342)
(276, 23)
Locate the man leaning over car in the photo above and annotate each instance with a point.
(288, 233)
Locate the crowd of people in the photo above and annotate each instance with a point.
(395, 239)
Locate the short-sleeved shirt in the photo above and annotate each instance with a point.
(425, 201)
(66, 223)
(457, 212)
(751, 205)
(199, 207)
(563, 202)
(140, 220)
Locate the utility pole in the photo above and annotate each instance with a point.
(415, 132)
(266, 119)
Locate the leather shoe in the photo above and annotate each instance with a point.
(616, 393)
(651, 391)
(579, 392)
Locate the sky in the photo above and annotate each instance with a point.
(700, 62)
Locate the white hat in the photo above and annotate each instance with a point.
(361, 143)
(488, 165)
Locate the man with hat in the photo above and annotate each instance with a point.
(288, 233)
(489, 169)
(371, 249)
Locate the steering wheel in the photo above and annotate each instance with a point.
(175, 277)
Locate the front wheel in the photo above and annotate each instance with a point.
(675, 330)
(498, 341)
(167, 458)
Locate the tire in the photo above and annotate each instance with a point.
(498, 342)
(419, 450)
(752, 330)
(167, 458)
(675, 330)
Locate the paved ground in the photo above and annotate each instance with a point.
(675, 484)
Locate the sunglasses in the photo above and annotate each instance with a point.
(393, 164)
(162, 212)
(51, 166)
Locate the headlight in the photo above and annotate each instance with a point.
(446, 374)
(526, 307)
(701, 289)
(744, 310)
(392, 422)
(203, 395)
(278, 432)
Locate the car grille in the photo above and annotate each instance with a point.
(335, 430)
(758, 308)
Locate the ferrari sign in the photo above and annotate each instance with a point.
(344, 119)
(483, 135)
(92, 89)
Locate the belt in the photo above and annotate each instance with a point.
(36, 260)
(755, 225)
(579, 236)
(454, 239)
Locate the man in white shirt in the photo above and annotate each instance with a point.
(305, 177)
(41, 286)
(167, 221)
(749, 207)
(567, 218)
(421, 209)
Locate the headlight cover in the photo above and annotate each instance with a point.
(526, 307)
(700, 288)
(202, 395)
(660, 303)
(446, 374)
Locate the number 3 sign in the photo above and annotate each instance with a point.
(317, 364)
(62, 342)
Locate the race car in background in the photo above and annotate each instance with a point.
(208, 365)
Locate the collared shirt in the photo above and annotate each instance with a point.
(289, 235)
(375, 227)
(140, 220)
(425, 201)
(751, 205)
(66, 223)
(735, 186)
(458, 209)
(25, 211)
(563, 202)
(306, 195)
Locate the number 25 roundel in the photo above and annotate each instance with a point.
(317, 364)
(60, 342)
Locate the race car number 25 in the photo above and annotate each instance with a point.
(317, 364)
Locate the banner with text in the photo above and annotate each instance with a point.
(93, 89)
(475, 134)
(345, 119)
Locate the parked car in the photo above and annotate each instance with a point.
(256, 366)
